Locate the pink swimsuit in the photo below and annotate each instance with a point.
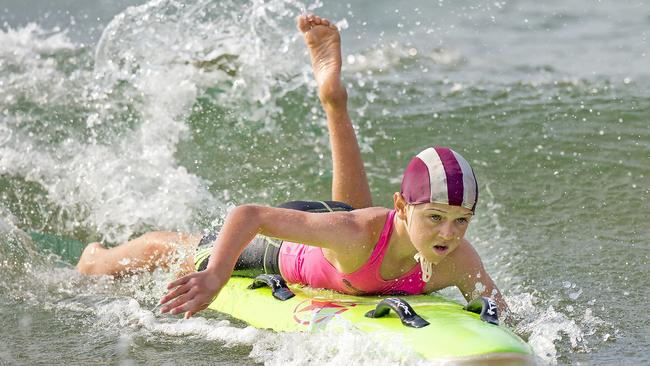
(307, 265)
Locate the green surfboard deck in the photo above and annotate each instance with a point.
(453, 333)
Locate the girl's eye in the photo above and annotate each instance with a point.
(462, 220)
(436, 217)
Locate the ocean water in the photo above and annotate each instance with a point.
(121, 117)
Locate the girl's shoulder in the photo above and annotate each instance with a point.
(372, 220)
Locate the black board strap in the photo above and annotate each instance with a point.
(405, 312)
(276, 283)
(486, 308)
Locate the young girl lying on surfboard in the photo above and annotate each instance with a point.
(417, 247)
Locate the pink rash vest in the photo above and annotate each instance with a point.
(307, 265)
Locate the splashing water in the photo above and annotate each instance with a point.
(113, 169)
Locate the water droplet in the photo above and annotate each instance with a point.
(569, 308)
(575, 295)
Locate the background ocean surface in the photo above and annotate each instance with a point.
(120, 117)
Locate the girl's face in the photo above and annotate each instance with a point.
(436, 229)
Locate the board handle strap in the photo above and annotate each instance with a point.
(486, 308)
(403, 309)
(278, 286)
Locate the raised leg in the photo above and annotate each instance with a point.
(145, 253)
(349, 181)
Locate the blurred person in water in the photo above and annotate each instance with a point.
(344, 244)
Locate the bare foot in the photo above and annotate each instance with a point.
(88, 258)
(324, 44)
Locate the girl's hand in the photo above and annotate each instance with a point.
(192, 293)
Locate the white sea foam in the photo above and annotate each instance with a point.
(115, 188)
(115, 191)
(548, 328)
(127, 313)
(340, 344)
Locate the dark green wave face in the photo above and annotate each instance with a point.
(117, 119)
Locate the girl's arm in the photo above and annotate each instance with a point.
(474, 281)
(337, 231)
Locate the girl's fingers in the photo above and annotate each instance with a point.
(193, 293)
(177, 302)
(180, 281)
(191, 306)
(172, 295)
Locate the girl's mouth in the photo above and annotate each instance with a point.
(440, 249)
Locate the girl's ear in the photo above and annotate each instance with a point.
(400, 206)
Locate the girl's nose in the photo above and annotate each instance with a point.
(447, 230)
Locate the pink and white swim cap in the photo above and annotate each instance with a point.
(440, 175)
